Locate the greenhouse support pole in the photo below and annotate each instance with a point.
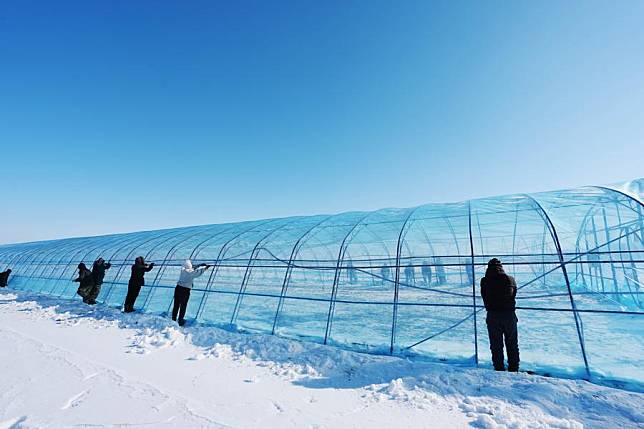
(639, 205)
(599, 264)
(122, 243)
(401, 238)
(562, 262)
(610, 252)
(289, 270)
(336, 278)
(38, 259)
(217, 265)
(249, 269)
(153, 248)
(129, 255)
(70, 261)
(161, 270)
(476, 340)
(62, 263)
(514, 239)
(54, 260)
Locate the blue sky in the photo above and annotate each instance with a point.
(121, 116)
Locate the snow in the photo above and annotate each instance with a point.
(65, 364)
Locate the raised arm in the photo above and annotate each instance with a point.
(200, 270)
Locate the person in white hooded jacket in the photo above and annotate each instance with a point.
(182, 291)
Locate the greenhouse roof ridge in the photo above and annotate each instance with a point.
(633, 189)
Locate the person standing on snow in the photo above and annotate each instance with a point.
(183, 288)
(4, 278)
(410, 275)
(136, 282)
(385, 273)
(98, 272)
(441, 278)
(351, 272)
(499, 291)
(426, 270)
(86, 281)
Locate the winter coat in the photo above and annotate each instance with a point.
(139, 268)
(86, 281)
(98, 270)
(498, 289)
(4, 278)
(188, 274)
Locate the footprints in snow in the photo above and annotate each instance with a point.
(75, 400)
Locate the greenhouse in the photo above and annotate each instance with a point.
(398, 281)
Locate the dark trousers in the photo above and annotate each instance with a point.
(181, 297)
(130, 299)
(503, 325)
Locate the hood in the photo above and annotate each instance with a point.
(494, 268)
(187, 265)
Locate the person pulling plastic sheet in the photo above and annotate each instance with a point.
(4, 278)
(137, 280)
(86, 281)
(499, 291)
(183, 288)
(98, 273)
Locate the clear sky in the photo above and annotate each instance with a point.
(130, 115)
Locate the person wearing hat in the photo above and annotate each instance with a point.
(499, 291)
(136, 282)
(86, 281)
(98, 273)
(183, 288)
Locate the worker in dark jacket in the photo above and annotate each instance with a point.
(86, 281)
(499, 291)
(136, 282)
(426, 269)
(410, 275)
(98, 272)
(4, 278)
(441, 278)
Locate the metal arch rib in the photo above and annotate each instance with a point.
(289, 269)
(469, 223)
(120, 270)
(401, 237)
(217, 263)
(174, 249)
(249, 267)
(162, 266)
(555, 238)
(336, 277)
(631, 197)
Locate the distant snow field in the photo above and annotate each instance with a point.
(65, 364)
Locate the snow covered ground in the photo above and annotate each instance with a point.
(64, 364)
